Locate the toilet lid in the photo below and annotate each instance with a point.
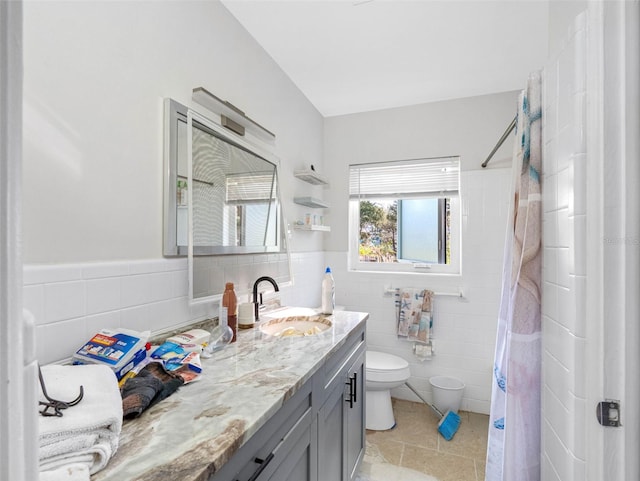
(381, 361)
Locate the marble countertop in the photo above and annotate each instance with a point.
(192, 433)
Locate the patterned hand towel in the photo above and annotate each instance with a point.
(414, 314)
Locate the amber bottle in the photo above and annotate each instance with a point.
(230, 301)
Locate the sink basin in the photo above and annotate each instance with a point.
(296, 326)
(288, 311)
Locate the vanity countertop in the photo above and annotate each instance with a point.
(192, 433)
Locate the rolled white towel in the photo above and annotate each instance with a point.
(89, 432)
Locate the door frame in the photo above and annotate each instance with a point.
(613, 261)
(18, 368)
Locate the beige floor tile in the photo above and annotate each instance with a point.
(470, 440)
(400, 405)
(391, 451)
(416, 444)
(444, 467)
(480, 468)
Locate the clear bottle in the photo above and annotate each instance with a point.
(230, 301)
(328, 292)
(221, 335)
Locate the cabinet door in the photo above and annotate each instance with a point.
(341, 425)
(293, 459)
(354, 419)
(298, 459)
(330, 435)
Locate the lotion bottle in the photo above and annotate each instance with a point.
(328, 292)
(230, 301)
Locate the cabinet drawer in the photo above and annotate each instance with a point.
(292, 415)
(340, 361)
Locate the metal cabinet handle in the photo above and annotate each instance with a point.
(355, 387)
(350, 398)
(263, 464)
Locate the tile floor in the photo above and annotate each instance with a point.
(416, 444)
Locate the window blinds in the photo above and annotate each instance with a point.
(437, 177)
(253, 187)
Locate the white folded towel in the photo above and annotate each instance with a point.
(87, 433)
(72, 472)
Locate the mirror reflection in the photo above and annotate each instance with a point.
(236, 208)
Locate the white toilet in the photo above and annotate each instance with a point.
(384, 372)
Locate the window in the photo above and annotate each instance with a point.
(404, 216)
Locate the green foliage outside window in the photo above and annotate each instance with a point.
(378, 231)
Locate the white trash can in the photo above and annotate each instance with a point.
(447, 393)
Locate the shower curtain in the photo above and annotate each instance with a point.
(513, 451)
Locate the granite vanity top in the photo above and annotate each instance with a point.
(191, 434)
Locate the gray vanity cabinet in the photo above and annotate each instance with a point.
(341, 418)
(284, 449)
(354, 424)
(318, 434)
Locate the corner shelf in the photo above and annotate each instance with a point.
(311, 202)
(324, 228)
(311, 177)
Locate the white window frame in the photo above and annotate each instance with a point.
(454, 268)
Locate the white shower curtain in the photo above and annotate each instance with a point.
(513, 452)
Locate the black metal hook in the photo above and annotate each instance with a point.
(54, 404)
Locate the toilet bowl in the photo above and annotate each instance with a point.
(384, 372)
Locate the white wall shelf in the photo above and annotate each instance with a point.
(323, 228)
(311, 202)
(311, 176)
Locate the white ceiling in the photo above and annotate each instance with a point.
(351, 56)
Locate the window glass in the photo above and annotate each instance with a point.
(404, 216)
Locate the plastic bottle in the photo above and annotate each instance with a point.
(328, 292)
(221, 335)
(230, 301)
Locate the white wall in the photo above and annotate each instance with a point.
(590, 302)
(561, 16)
(464, 331)
(565, 221)
(95, 74)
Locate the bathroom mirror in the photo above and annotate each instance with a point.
(234, 190)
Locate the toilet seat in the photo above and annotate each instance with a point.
(383, 367)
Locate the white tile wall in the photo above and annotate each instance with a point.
(564, 224)
(72, 302)
(464, 330)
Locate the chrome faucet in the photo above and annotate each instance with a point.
(256, 304)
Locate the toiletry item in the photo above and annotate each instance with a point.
(221, 335)
(230, 301)
(193, 336)
(245, 315)
(328, 292)
(114, 348)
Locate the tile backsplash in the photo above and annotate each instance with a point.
(71, 302)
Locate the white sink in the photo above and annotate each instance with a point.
(295, 325)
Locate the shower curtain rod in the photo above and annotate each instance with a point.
(512, 126)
